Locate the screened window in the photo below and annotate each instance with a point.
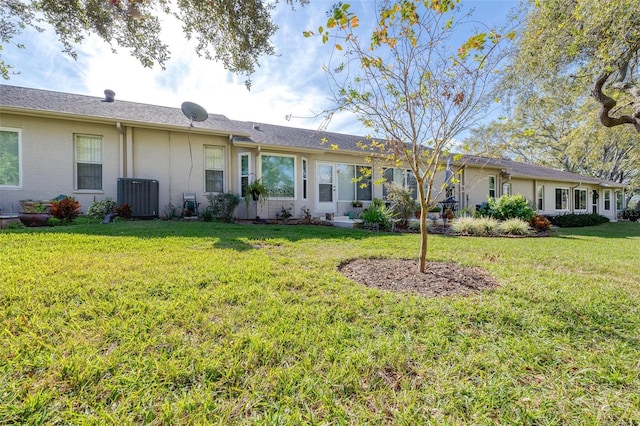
(245, 171)
(402, 177)
(540, 196)
(10, 158)
(607, 199)
(492, 186)
(354, 182)
(88, 162)
(278, 175)
(213, 169)
(562, 198)
(580, 199)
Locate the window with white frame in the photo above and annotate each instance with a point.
(403, 177)
(214, 169)
(619, 200)
(540, 197)
(278, 175)
(10, 158)
(245, 171)
(354, 182)
(580, 199)
(492, 187)
(562, 198)
(607, 199)
(506, 189)
(88, 160)
(304, 179)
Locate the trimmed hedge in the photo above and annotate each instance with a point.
(573, 220)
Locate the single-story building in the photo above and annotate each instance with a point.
(91, 148)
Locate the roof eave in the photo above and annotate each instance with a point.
(111, 120)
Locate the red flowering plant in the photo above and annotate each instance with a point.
(124, 211)
(66, 209)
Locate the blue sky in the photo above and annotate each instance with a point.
(291, 83)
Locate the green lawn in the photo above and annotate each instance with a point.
(200, 323)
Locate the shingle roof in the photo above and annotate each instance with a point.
(58, 103)
(292, 137)
(47, 101)
(517, 169)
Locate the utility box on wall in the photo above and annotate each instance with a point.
(142, 195)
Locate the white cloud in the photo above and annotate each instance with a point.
(290, 83)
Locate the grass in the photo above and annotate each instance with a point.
(200, 323)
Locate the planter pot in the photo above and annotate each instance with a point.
(34, 219)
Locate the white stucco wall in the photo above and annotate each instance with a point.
(48, 167)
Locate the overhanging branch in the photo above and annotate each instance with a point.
(607, 104)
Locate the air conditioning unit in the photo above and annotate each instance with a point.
(142, 195)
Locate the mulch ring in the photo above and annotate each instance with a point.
(401, 275)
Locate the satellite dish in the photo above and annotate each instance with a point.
(194, 112)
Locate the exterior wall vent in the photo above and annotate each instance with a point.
(142, 195)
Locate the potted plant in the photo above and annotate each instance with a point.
(256, 191)
(356, 203)
(34, 213)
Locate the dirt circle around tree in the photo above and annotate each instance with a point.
(401, 275)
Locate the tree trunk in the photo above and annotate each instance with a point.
(424, 237)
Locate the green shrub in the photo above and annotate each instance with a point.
(475, 226)
(573, 220)
(631, 214)
(222, 206)
(207, 215)
(507, 207)
(99, 209)
(169, 212)
(377, 216)
(401, 201)
(464, 225)
(486, 225)
(54, 221)
(514, 226)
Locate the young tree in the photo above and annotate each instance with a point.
(412, 84)
(234, 32)
(596, 43)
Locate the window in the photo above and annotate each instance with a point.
(492, 187)
(354, 182)
(402, 177)
(214, 169)
(580, 199)
(245, 171)
(278, 175)
(88, 162)
(304, 179)
(562, 199)
(506, 189)
(607, 199)
(540, 196)
(10, 157)
(619, 200)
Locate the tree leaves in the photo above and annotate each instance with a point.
(234, 32)
(596, 43)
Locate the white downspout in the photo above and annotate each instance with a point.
(122, 156)
(129, 145)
